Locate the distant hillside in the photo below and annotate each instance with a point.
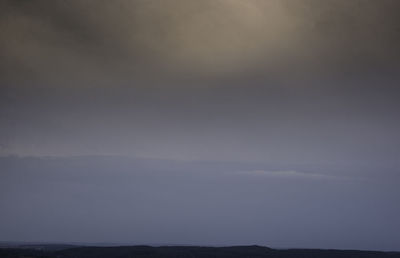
(189, 252)
(36, 246)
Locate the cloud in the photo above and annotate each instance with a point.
(289, 174)
(103, 42)
(125, 37)
(154, 64)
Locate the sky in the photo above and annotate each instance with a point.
(215, 122)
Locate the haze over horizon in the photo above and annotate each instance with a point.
(214, 122)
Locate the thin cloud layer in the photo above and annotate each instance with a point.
(292, 174)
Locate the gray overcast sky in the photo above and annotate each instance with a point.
(201, 122)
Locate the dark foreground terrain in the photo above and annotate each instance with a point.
(183, 252)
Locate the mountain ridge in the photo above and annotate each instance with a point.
(146, 251)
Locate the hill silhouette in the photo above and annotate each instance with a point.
(253, 251)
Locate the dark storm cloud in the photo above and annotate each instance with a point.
(177, 43)
(97, 42)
